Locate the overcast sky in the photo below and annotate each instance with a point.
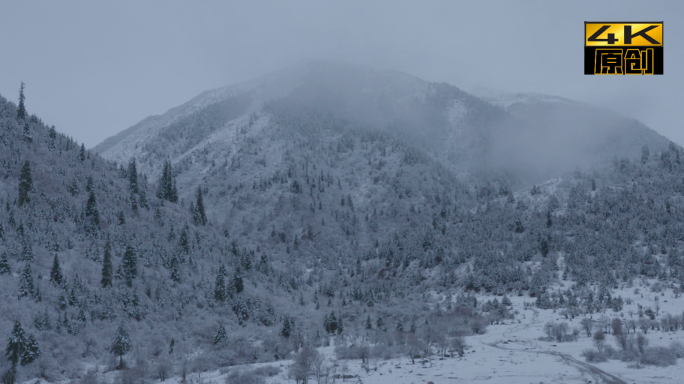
(94, 68)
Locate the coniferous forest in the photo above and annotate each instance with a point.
(312, 230)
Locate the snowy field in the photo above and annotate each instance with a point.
(507, 353)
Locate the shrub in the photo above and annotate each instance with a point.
(244, 378)
(659, 356)
(268, 370)
(677, 348)
(593, 356)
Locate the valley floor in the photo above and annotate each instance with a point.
(509, 353)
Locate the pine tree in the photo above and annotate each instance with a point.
(56, 276)
(27, 133)
(164, 181)
(220, 286)
(380, 324)
(287, 328)
(645, 153)
(92, 214)
(167, 184)
(107, 267)
(340, 325)
(26, 287)
(133, 177)
(184, 241)
(53, 135)
(369, 324)
(25, 184)
(26, 247)
(175, 270)
(143, 199)
(16, 344)
(21, 111)
(121, 344)
(134, 203)
(220, 335)
(81, 155)
(129, 265)
(198, 213)
(174, 193)
(238, 284)
(544, 247)
(330, 323)
(4, 264)
(31, 351)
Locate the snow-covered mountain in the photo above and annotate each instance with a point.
(442, 117)
(566, 134)
(463, 132)
(345, 205)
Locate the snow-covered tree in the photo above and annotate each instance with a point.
(21, 109)
(121, 344)
(4, 264)
(16, 344)
(26, 286)
(31, 351)
(107, 267)
(220, 285)
(199, 215)
(129, 265)
(56, 276)
(25, 184)
(92, 214)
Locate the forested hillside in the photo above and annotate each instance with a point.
(316, 228)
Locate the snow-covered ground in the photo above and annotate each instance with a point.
(509, 353)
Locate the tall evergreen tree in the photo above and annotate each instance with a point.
(129, 265)
(81, 154)
(52, 135)
(31, 350)
(27, 132)
(121, 344)
(645, 153)
(133, 177)
(16, 344)
(174, 193)
(26, 287)
(26, 248)
(107, 267)
(198, 213)
(4, 264)
(220, 334)
(286, 331)
(167, 184)
(25, 184)
(175, 270)
(238, 284)
(92, 214)
(184, 240)
(21, 110)
(220, 285)
(134, 202)
(56, 276)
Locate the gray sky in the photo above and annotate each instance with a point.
(94, 68)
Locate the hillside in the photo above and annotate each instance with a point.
(321, 227)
